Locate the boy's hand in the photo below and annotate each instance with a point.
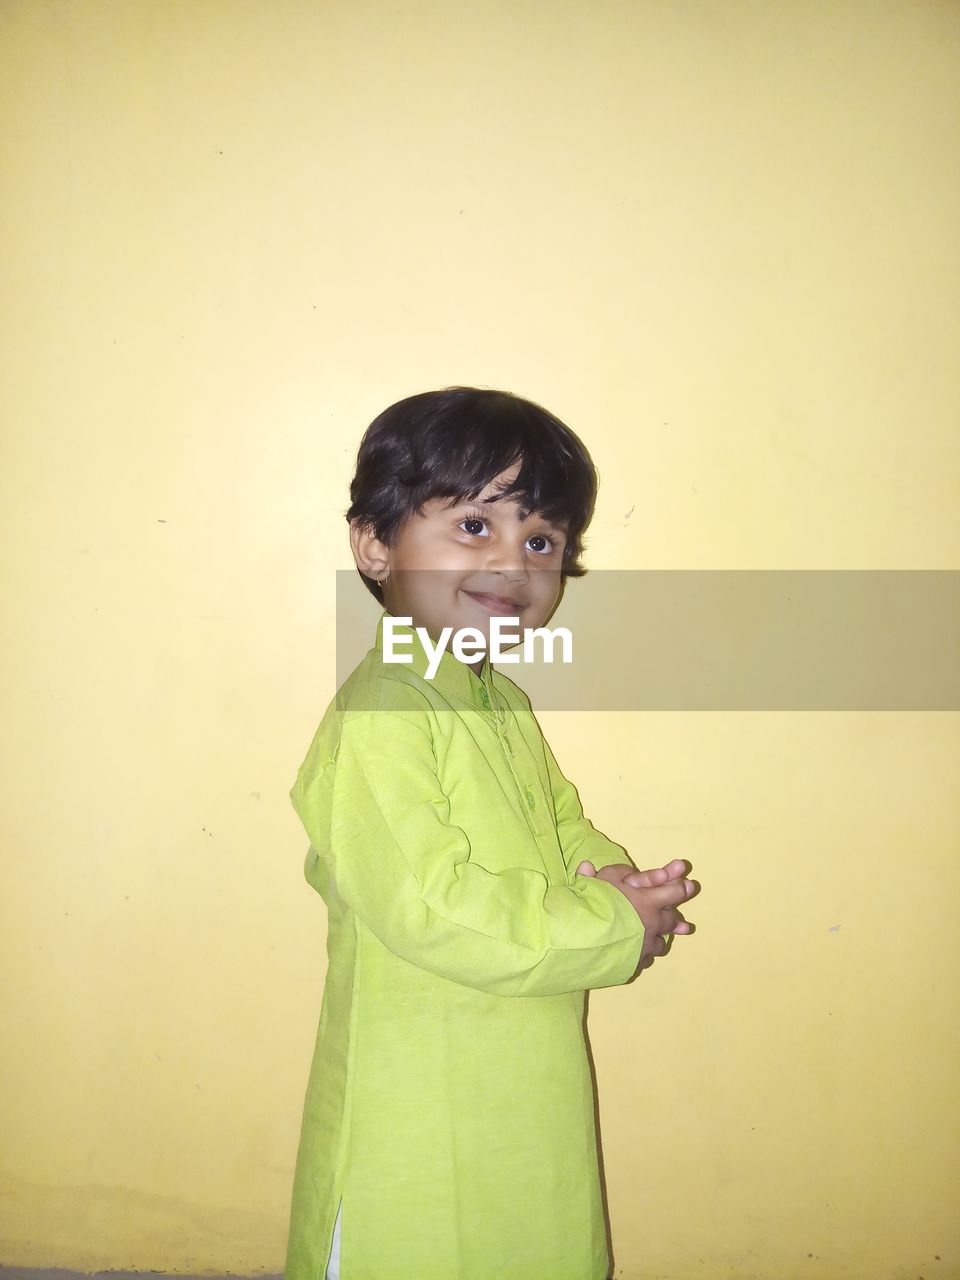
(654, 895)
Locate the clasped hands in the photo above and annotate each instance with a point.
(654, 895)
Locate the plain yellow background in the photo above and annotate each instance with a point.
(717, 237)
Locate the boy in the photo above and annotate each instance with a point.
(448, 1129)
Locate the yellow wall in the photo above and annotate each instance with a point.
(716, 236)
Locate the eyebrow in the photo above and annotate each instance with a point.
(480, 502)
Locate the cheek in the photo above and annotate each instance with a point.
(425, 552)
(546, 588)
(547, 579)
(440, 563)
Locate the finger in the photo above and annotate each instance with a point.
(647, 879)
(586, 869)
(672, 922)
(658, 875)
(669, 920)
(655, 944)
(673, 892)
(676, 868)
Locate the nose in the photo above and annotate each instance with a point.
(509, 561)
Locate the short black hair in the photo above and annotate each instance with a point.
(452, 443)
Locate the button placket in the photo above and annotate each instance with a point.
(524, 789)
(522, 767)
(499, 718)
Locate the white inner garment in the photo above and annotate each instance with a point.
(333, 1266)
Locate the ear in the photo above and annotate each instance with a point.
(372, 557)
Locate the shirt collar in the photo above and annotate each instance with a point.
(452, 677)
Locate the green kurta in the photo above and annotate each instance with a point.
(450, 1101)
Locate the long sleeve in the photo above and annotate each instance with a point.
(579, 838)
(377, 814)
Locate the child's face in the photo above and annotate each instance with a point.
(459, 566)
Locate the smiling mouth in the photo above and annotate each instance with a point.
(496, 604)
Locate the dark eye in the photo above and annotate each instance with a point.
(472, 520)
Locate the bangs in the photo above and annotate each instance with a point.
(465, 453)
